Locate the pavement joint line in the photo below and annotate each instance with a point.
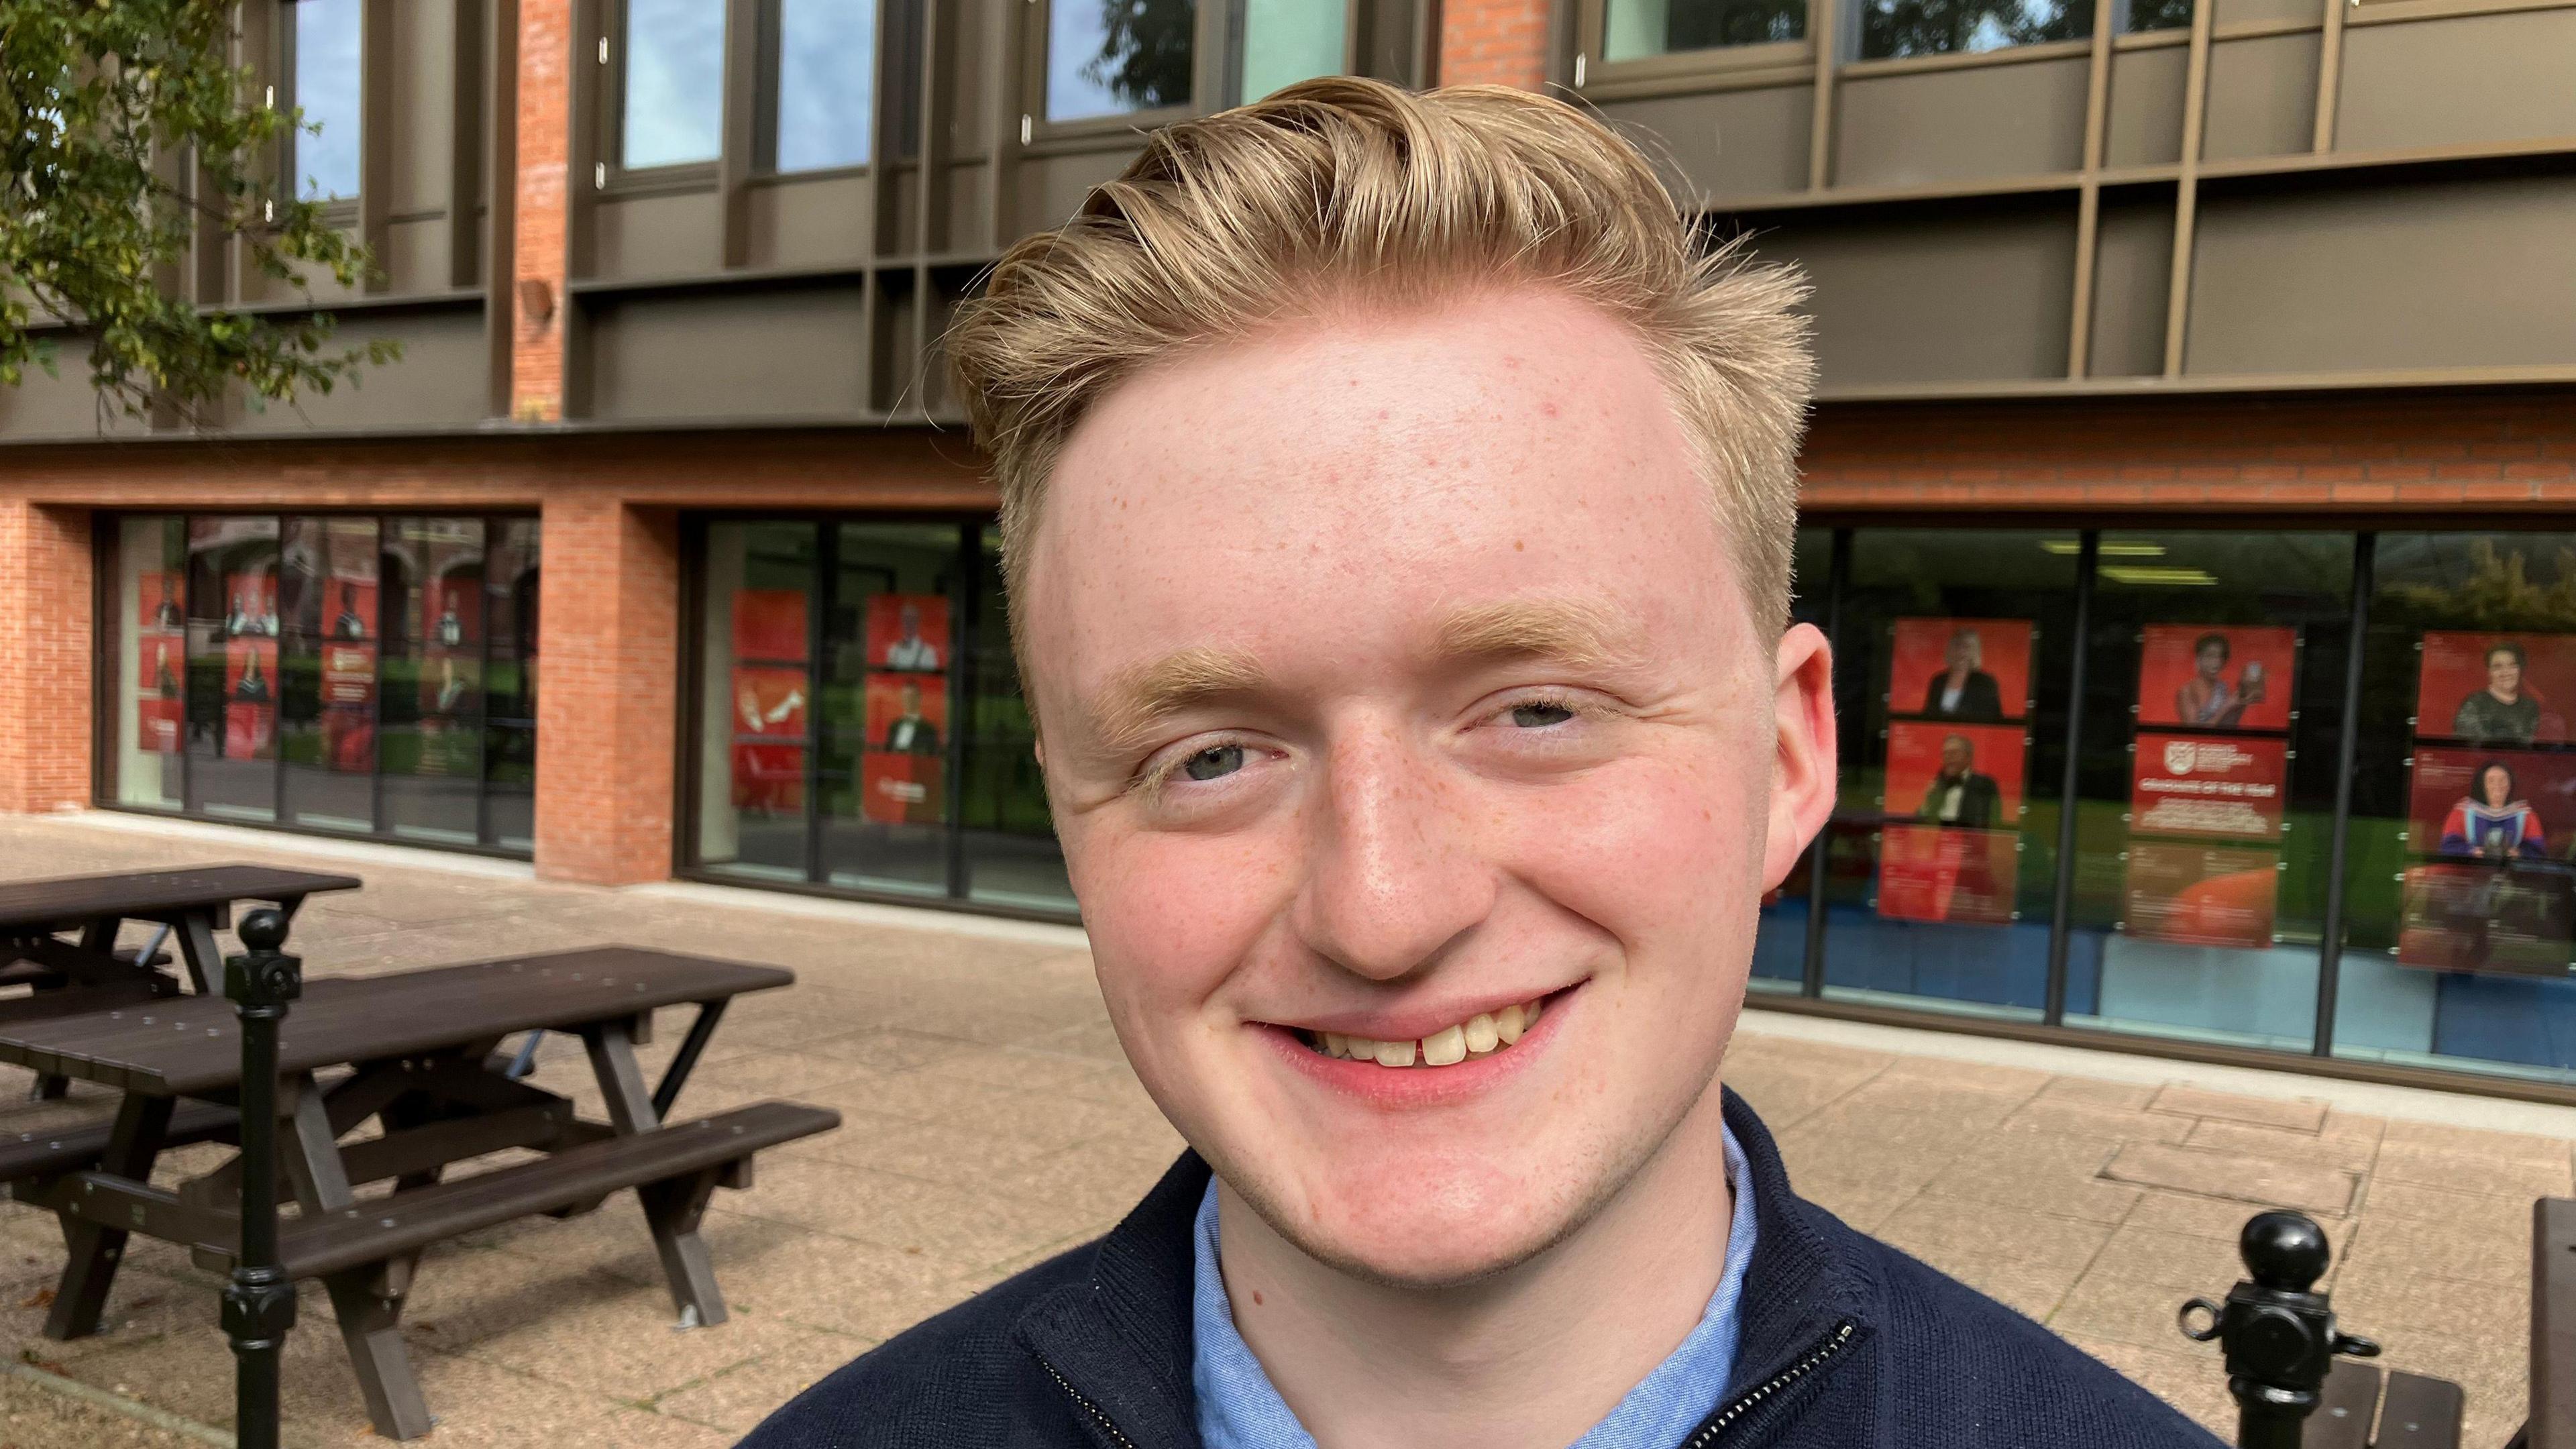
(163, 1419)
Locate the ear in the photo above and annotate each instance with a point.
(1803, 760)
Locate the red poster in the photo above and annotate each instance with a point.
(161, 603)
(250, 671)
(248, 730)
(348, 675)
(900, 789)
(250, 605)
(451, 611)
(907, 714)
(1976, 671)
(2515, 920)
(447, 683)
(2207, 785)
(1926, 873)
(2217, 677)
(769, 710)
(769, 625)
(158, 723)
(349, 739)
(2497, 688)
(2201, 895)
(2492, 804)
(1965, 775)
(348, 610)
(908, 632)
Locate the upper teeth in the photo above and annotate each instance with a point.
(1480, 1035)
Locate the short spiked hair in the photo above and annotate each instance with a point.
(1342, 189)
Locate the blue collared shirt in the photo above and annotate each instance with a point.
(1240, 1409)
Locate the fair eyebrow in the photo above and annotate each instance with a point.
(1125, 713)
(1571, 631)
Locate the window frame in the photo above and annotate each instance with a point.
(1208, 49)
(1755, 64)
(339, 211)
(1238, 22)
(768, 37)
(616, 175)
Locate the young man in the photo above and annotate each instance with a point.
(1396, 512)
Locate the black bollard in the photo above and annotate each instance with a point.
(2279, 1335)
(259, 1304)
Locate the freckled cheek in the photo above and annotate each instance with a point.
(1650, 848)
(1171, 917)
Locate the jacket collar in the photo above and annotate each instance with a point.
(1122, 1341)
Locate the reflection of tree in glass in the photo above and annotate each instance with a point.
(1709, 23)
(2498, 594)
(1890, 28)
(2159, 14)
(1145, 51)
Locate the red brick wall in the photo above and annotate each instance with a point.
(1493, 42)
(44, 656)
(544, 135)
(607, 691)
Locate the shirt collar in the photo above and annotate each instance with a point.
(1239, 1408)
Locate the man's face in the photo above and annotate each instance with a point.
(2212, 659)
(1963, 651)
(2504, 673)
(1956, 756)
(909, 616)
(911, 698)
(1393, 674)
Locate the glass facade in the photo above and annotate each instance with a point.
(673, 81)
(859, 725)
(325, 43)
(352, 673)
(1285, 41)
(1636, 29)
(1110, 57)
(2106, 779)
(823, 53)
(1893, 28)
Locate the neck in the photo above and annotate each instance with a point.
(1532, 1356)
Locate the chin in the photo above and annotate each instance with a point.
(1416, 1230)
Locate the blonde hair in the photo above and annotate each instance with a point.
(1345, 190)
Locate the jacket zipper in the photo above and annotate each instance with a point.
(1815, 1359)
(1088, 1407)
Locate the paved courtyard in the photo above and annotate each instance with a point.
(990, 1122)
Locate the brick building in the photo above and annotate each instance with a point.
(2184, 497)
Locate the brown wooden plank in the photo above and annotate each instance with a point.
(2553, 1325)
(2344, 1409)
(65, 901)
(2420, 1413)
(33, 1154)
(195, 1046)
(380, 1228)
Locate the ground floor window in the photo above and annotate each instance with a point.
(856, 720)
(352, 673)
(2293, 790)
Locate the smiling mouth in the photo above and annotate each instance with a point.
(1481, 1035)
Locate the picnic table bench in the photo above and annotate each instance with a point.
(413, 1052)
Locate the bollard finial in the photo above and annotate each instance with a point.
(2284, 1250)
(263, 929)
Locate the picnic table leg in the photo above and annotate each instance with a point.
(197, 948)
(94, 1250)
(672, 1211)
(370, 1322)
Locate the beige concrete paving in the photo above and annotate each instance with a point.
(990, 1122)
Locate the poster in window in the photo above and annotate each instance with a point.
(907, 714)
(250, 697)
(2510, 919)
(2217, 677)
(161, 703)
(2485, 804)
(1966, 775)
(769, 712)
(449, 685)
(769, 626)
(348, 688)
(2496, 688)
(1928, 873)
(160, 606)
(901, 789)
(908, 632)
(1974, 671)
(2208, 785)
(349, 610)
(250, 605)
(2201, 895)
(451, 611)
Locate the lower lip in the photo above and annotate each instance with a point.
(1419, 1086)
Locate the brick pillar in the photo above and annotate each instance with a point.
(45, 657)
(537, 227)
(1494, 42)
(607, 692)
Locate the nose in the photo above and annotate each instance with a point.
(1392, 878)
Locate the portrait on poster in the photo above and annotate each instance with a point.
(2222, 677)
(1927, 873)
(769, 625)
(160, 605)
(2200, 895)
(1974, 671)
(2495, 805)
(451, 611)
(2496, 688)
(348, 610)
(2208, 785)
(908, 632)
(1967, 776)
(2511, 919)
(769, 713)
(907, 714)
(250, 605)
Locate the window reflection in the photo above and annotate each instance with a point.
(826, 69)
(1634, 29)
(327, 733)
(326, 41)
(674, 82)
(1109, 57)
(1892, 28)
(430, 715)
(232, 667)
(1286, 41)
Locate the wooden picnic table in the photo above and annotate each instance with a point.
(192, 904)
(418, 1047)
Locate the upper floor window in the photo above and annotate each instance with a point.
(673, 83)
(1635, 29)
(1109, 57)
(322, 39)
(825, 64)
(1891, 28)
(1282, 42)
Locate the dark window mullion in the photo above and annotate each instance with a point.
(963, 588)
(818, 614)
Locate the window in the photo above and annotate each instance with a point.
(323, 43)
(2157, 15)
(673, 83)
(1893, 28)
(1110, 57)
(825, 64)
(346, 673)
(1635, 29)
(1282, 42)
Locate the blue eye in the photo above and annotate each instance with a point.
(1539, 716)
(1213, 763)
